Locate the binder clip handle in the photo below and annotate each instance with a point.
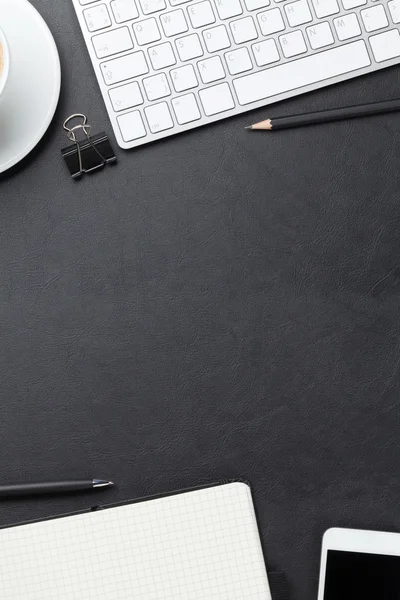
(84, 126)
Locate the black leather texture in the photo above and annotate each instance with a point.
(219, 304)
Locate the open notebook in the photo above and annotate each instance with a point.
(195, 545)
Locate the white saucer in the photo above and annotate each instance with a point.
(31, 95)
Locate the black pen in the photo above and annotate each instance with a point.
(53, 487)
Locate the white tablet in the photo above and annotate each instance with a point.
(360, 565)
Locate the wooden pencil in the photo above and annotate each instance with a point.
(324, 116)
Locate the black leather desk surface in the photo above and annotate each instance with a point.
(219, 304)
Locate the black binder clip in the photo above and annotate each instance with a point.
(90, 153)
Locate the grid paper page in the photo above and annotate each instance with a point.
(199, 545)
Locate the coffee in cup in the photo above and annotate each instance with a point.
(4, 61)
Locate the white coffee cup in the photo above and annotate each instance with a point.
(6, 61)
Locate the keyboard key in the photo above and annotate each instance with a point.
(201, 14)
(228, 8)
(125, 67)
(124, 10)
(394, 8)
(265, 53)
(146, 31)
(216, 38)
(304, 71)
(211, 69)
(374, 18)
(184, 78)
(350, 4)
(238, 61)
(320, 35)
(152, 6)
(293, 44)
(112, 42)
(385, 45)
(186, 109)
(256, 4)
(97, 17)
(178, 2)
(243, 30)
(174, 22)
(85, 2)
(271, 21)
(126, 96)
(347, 27)
(131, 126)
(162, 56)
(217, 99)
(298, 13)
(158, 117)
(325, 8)
(189, 47)
(156, 87)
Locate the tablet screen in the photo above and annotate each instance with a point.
(358, 576)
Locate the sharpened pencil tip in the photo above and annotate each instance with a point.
(97, 483)
(249, 127)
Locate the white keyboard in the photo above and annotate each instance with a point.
(166, 66)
